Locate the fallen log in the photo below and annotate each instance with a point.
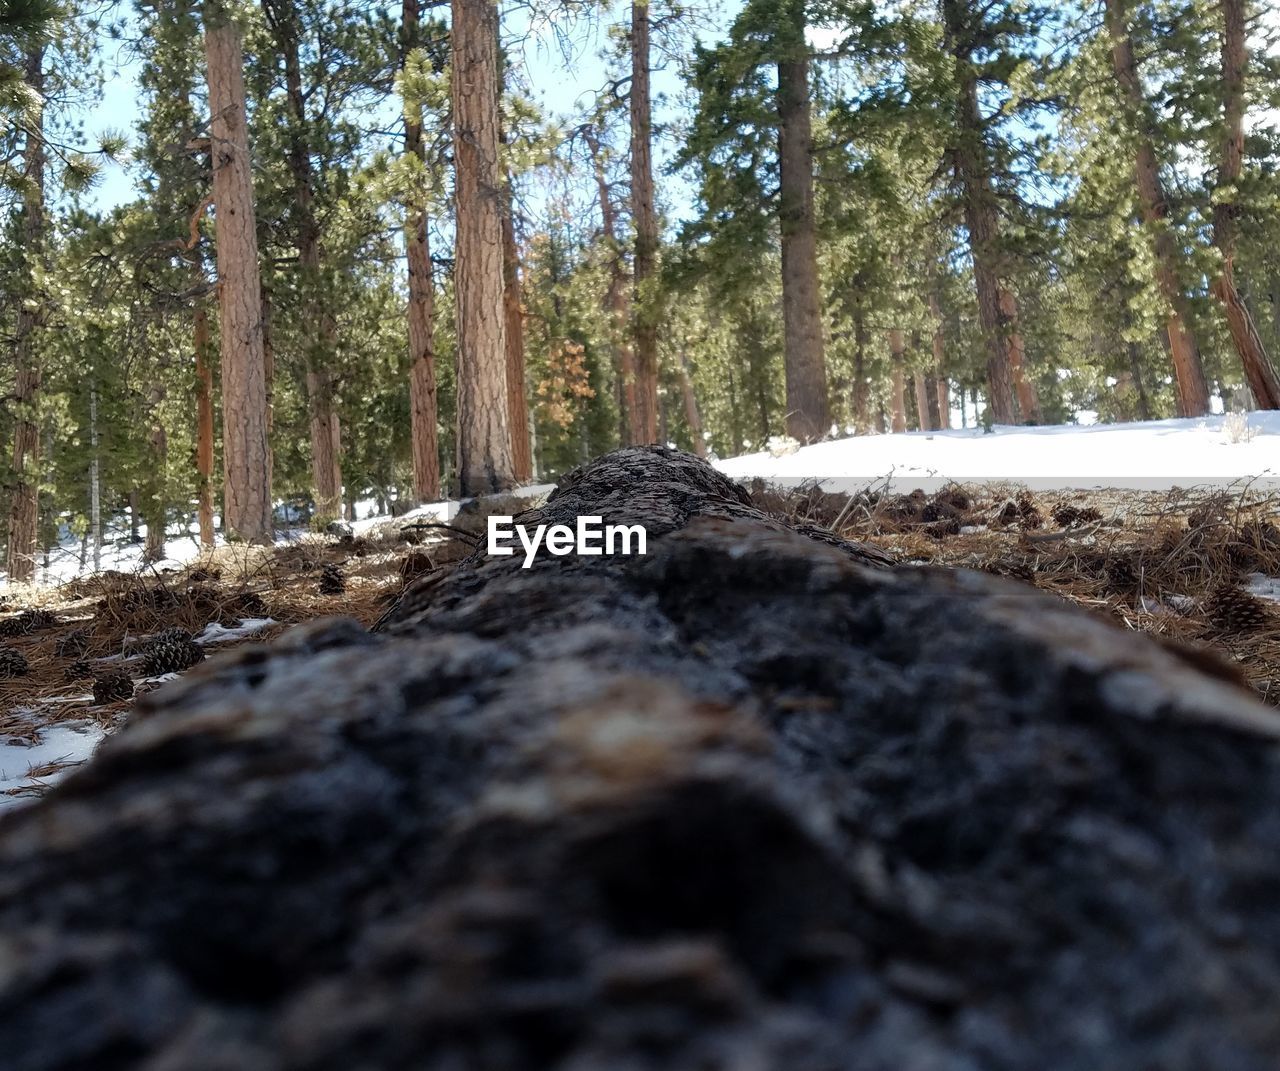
(755, 799)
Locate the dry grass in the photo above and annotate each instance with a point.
(1154, 562)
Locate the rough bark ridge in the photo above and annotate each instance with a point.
(751, 800)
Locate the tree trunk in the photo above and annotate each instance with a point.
(1258, 369)
(861, 388)
(1028, 402)
(485, 463)
(897, 391)
(204, 357)
(156, 502)
(617, 303)
(924, 411)
(513, 313)
(423, 405)
(645, 301)
(24, 508)
(808, 413)
(692, 416)
(246, 461)
(95, 484)
(941, 391)
(972, 163)
(1193, 392)
(318, 320)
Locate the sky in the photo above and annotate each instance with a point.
(539, 48)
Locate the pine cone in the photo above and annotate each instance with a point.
(73, 644)
(1234, 610)
(1121, 575)
(171, 656)
(1065, 516)
(79, 670)
(332, 581)
(12, 663)
(112, 688)
(27, 622)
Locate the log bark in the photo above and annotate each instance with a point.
(24, 506)
(485, 461)
(754, 787)
(808, 412)
(644, 304)
(246, 457)
(1193, 391)
(1259, 372)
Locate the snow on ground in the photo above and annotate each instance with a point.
(440, 511)
(1263, 586)
(216, 633)
(26, 767)
(1154, 455)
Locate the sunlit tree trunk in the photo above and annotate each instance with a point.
(484, 439)
(1193, 391)
(1258, 369)
(1028, 402)
(24, 507)
(246, 459)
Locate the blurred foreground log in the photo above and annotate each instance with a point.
(754, 800)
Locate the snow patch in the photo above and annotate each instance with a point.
(26, 768)
(1263, 586)
(1153, 455)
(249, 626)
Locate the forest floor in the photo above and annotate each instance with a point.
(1197, 567)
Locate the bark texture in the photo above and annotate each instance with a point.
(1028, 402)
(645, 218)
(485, 461)
(808, 414)
(1193, 391)
(751, 800)
(1258, 369)
(246, 459)
(423, 408)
